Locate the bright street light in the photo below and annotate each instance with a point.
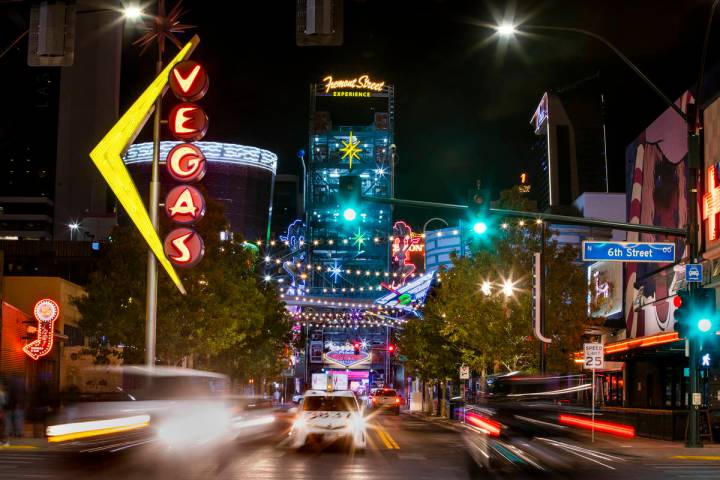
(74, 227)
(132, 12)
(506, 29)
(508, 288)
(486, 288)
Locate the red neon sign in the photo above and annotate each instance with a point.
(46, 312)
(186, 163)
(408, 252)
(185, 205)
(188, 122)
(606, 427)
(184, 247)
(189, 81)
(711, 202)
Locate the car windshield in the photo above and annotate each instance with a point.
(388, 393)
(329, 404)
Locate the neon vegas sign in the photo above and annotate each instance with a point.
(362, 82)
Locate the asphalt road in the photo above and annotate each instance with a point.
(400, 447)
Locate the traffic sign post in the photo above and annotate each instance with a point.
(662, 252)
(594, 359)
(693, 273)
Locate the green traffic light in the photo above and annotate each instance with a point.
(704, 325)
(480, 228)
(349, 214)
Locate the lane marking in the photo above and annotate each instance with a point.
(389, 442)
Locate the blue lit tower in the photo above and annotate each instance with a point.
(351, 131)
(347, 240)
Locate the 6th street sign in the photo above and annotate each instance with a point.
(628, 252)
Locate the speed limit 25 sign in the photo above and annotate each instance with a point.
(594, 356)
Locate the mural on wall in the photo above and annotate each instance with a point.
(656, 176)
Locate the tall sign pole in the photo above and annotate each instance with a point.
(154, 200)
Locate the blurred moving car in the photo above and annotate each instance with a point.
(171, 407)
(386, 399)
(327, 417)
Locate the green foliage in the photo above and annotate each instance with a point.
(494, 332)
(226, 314)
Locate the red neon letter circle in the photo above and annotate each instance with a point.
(185, 205)
(186, 163)
(188, 122)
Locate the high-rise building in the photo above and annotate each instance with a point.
(570, 148)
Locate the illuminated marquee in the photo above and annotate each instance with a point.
(46, 312)
(408, 252)
(362, 82)
(711, 202)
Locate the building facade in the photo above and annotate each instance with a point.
(239, 176)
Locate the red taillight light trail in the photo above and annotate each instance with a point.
(397, 399)
(374, 400)
(606, 427)
(485, 424)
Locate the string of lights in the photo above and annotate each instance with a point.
(379, 239)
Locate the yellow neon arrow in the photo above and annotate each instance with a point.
(107, 156)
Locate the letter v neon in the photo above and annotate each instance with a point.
(186, 83)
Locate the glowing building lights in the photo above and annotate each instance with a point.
(711, 202)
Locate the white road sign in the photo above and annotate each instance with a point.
(594, 356)
(464, 372)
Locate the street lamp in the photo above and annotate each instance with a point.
(132, 12)
(506, 29)
(74, 227)
(486, 288)
(508, 288)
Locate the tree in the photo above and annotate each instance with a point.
(491, 331)
(225, 309)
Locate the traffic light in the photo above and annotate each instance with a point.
(479, 206)
(391, 348)
(356, 346)
(349, 196)
(695, 314)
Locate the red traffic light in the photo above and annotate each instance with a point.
(677, 301)
(391, 348)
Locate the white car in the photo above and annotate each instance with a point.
(327, 417)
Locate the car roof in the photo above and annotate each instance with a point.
(323, 393)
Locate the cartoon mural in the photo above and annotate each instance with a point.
(656, 173)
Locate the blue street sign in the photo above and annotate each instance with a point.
(693, 272)
(628, 252)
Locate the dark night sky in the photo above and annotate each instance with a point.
(463, 108)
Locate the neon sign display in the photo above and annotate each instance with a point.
(186, 163)
(184, 204)
(711, 201)
(46, 312)
(188, 122)
(408, 252)
(189, 81)
(184, 247)
(350, 149)
(362, 82)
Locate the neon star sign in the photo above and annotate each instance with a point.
(350, 149)
(46, 312)
(711, 201)
(359, 239)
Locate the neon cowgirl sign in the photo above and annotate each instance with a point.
(408, 252)
(46, 312)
